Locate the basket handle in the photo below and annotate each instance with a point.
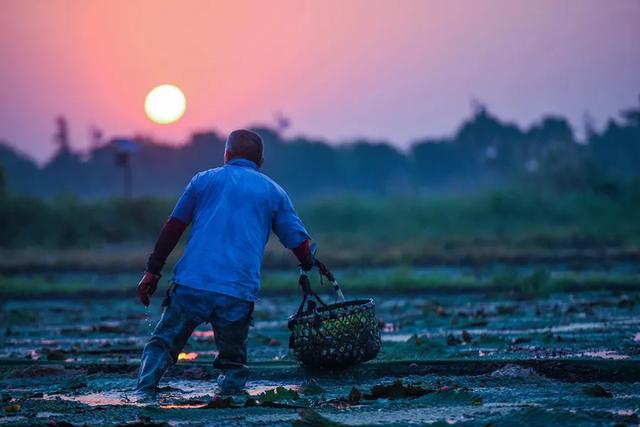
(308, 295)
(324, 271)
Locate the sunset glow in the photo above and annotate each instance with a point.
(337, 70)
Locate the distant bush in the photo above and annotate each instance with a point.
(505, 218)
(66, 222)
(3, 183)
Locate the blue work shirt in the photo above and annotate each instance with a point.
(232, 210)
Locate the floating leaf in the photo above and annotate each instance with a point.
(72, 384)
(220, 403)
(453, 340)
(396, 390)
(312, 387)
(56, 355)
(142, 422)
(12, 409)
(416, 339)
(626, 302)
(310, 418)
(597, 391)
(506, 309)
(432, 308)
(110, 328)
(279, 405)
(251, 402)
(452, 397)
(277, 394)
(76, 383)
(354, 396)
(477, 324)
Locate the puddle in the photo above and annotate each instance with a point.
(11, 419)
(48, 414)
(182, 406)
(603, 354)
(179, 391)
(188, 356)
(396, 337)
(202, 334)
(109, 398)
(572, 327)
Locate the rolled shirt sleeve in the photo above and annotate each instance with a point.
(186, 205)
(287, 225)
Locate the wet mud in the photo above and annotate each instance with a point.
(471, 359)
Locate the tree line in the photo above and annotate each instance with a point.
(484, 152)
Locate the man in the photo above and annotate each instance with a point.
(232, 210)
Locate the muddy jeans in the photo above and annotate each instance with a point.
(184, 309)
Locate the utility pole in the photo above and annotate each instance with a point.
(95, 134)
(61, 137)
(124, 149)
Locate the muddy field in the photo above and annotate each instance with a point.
(467, 359)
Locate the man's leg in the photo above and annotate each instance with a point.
(230, 324)
(161, 352)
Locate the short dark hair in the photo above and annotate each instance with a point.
(245, 144)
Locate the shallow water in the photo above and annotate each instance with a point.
(485, 358)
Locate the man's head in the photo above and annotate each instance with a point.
(244, 144)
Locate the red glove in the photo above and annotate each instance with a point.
(305, 254)
(147, 287)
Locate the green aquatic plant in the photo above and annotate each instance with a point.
(597, 390)
(277, 394)
(452, 397)
(397, 390)
(312, 387)
(310, 418)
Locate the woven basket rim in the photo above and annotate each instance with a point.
(362, 304)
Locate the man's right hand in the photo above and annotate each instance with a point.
(147, 287)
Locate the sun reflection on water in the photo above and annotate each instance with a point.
(188, 356)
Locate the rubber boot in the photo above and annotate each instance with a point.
(233, 381)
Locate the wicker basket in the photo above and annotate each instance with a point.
(333, 336)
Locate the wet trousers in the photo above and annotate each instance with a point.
(184, 309)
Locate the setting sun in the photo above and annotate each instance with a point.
(165, 104)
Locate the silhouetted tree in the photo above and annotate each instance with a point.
(3, 183)
(61, 136)
(485, 151)
(617, 149)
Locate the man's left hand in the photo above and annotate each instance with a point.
(147, 286)
(305, 253)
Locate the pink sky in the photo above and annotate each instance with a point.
(394, 70)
